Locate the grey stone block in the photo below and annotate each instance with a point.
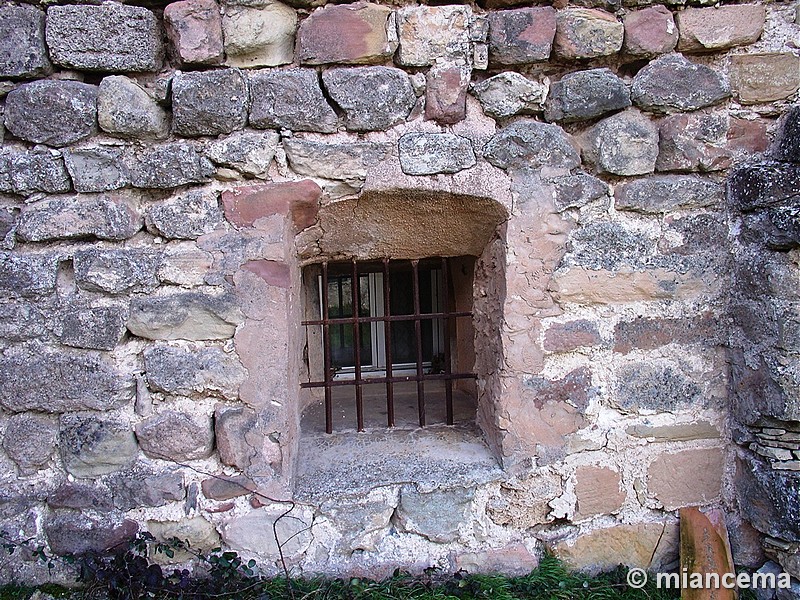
(141, 486)
(574, 191)
(55, 381)
(92, 446)
(586, 95)
(96, 168)
(209, 102)
(186, 216)
(185, 315)
(29, 440)
(290, 99)
(52, 112)
(373, 98)
(654, 386)
(116, 271)
(433, 153)
(436, 515)
(26, 172)
(509, 94)
(531, 144)
(167, 166)
(126, 110)
(92, 327)
(622, 144)
(663, 193)
(20, 320)
(188, 371)
(74, 533)
(176, 436)
(343, 161)
(27, 274)
(247, 152)
(101, 216)
(108, 37)
(22, 50)
(671, 83)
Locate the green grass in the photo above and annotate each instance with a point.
(551, 581)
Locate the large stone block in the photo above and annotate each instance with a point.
(29, 440)
(651, 546)
(566, 337)
(52, 112)
(247, 152)
(237, 439)
(141, 486)
(673, 478)
(80, 496)
(194, 30)
(531, 144)
(524, 502)
(227, 487)
(199, 533)
(575, 191)
(343, 161)
(430, 34)
(664, 193)
(623, 144)
(765, 77)
(694, 142)
(290, 99)
(176, 436)
(184, 315)
(33, 378)
(719, 28)
(26, 172)
(108, 37)
(520, 36)
(256, 532)
(587, 33)
(654, 385)
(260, 36)
(763, 185)
(101, 216)
(116, 271)
(514, 560)
(586, 94)
(167, 166)
(187, 371)
(209, 102)
(649, 333)
(186, 216)
(22, 50)
(372, 98)
(434, 515)
(298, 200)
(183, 263)
(672, 83)
(598, 492)
(347, 34)
(20, 321)
(92, 446)
(769, 499)
(433, 153)
(510, 93)
(75, 534)
(92, 327)
(446, 93)
(125, 109)
(650, 31)
(27, 274)
(96, 168)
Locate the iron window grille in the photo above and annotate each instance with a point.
(435, 318)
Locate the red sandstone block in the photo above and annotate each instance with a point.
(194, 29)
(713, 29)
(446, 94)
(650, 31)
(300, 199)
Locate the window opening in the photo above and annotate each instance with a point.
(386, 322)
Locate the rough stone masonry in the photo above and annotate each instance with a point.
(625, 176)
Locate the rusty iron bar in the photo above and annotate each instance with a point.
(393, 379)
(326, 351)
(448, 383)
(393, 318)
(357, 347)
(387, 326)
(418, 335)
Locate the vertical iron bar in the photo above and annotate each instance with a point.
(448, 383)
(418, 332)
(357, 347)
(326, 351)
(387, 328)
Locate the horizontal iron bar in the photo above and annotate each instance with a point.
(391, 318)
(396, 379)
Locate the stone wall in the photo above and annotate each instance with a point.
(167, 171)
